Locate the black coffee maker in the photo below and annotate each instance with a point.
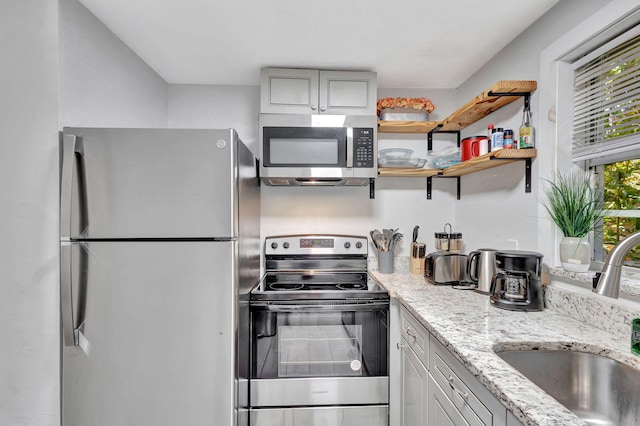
(516, 284)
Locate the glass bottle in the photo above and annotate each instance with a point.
(526, 135)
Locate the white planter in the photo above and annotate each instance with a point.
(575, 254)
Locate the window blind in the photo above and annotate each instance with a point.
(606, 108)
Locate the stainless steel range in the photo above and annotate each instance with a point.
(319, 353)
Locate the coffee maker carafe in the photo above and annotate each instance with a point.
(516, 285)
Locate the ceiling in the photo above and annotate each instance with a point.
(409, 43)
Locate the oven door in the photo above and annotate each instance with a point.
(322, 353)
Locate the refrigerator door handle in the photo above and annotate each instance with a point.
(69, 333)
(71, 145)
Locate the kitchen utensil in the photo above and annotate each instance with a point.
(415, 233)
(418, 254)
(385, 262)
(481, 267)
(516, 286)
(373, 239)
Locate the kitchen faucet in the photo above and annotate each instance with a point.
(607, 282)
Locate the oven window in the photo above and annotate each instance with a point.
(304, 151)
(319, 344)
(319, 351)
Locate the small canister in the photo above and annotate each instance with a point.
(508, 139)
(418, 254)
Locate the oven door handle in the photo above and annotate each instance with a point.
(274, 307)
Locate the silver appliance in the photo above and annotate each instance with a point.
(446, 267)
(481, 267)
(319, 335)
(159, 248)
(318, 150)
(517, 284)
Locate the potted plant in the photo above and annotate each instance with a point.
(575, 207)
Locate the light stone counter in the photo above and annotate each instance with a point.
(471, 328)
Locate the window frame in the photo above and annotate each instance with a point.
(556, 101)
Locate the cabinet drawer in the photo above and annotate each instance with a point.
(463, 389)
(416, 335)
(457, 391)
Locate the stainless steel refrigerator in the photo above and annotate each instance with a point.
(159, 248)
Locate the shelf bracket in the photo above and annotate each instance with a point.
(430, 184)
(430, 137)
(372, 188)
(527, 170)
(525, 95)
(437, 130)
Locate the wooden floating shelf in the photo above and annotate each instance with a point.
(400, 172)
(486, 103)
(486, 161)
(489, 101)
(407, 126)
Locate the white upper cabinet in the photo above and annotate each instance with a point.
(304, 91)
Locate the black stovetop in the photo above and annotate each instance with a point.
(323, 285)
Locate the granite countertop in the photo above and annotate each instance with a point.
(465, 323)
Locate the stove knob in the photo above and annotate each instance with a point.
(358, 245)
(347, 245)
(285, 245)
(274, 245)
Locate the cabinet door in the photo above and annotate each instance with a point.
(443, 412)
(415, 378)
(288, 91)
(348, 92)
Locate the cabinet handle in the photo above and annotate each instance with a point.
(313, 107)
(463, 395)
(411, 334)
(401, 346)
(323, 108)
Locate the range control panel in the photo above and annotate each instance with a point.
(316, 244)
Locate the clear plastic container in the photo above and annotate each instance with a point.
(448, 241)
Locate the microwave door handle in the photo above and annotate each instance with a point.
(350, 147)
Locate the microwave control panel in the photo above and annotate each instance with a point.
(363, 147)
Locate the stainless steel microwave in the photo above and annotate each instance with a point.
(318, 150)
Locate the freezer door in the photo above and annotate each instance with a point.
(156, 340)
(151, 183)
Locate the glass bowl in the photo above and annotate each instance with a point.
(395, 154)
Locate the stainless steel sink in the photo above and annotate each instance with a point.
(599, 390)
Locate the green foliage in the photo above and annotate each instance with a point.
(621, 192)
(572, 203)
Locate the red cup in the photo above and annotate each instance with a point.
(473, 147)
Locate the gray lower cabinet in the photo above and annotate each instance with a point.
(414, 362)
(435, 388)
(415, 390)
(456, 396)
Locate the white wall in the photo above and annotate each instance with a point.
(103, 83)
(29, 250)
(60, 67)
(399, 202)
(494, 210)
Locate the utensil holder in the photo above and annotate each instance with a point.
(385, 262)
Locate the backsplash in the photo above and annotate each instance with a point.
(595, 311)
